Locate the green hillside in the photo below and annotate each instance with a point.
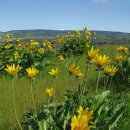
(40, 34)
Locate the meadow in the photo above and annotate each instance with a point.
(42, 86)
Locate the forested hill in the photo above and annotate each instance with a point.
(50, 34)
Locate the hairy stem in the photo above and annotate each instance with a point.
(34, 105)
(14, 104)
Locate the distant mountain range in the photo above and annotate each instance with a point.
(50, 34)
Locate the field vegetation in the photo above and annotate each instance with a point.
(75, 86)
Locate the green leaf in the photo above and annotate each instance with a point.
(116, 118)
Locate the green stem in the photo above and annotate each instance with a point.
(85, 79)
(106, 82)
(110, 82)
(54, 96)
(54, 90)
(34, 105)
(15, 112)
(48, 101)
(48, 104)
(98, 78)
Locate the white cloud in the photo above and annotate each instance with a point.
(100, 1)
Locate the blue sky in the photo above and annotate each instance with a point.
(109, 15)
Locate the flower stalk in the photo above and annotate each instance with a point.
(32, 95)
(98, 78)
(14, 104)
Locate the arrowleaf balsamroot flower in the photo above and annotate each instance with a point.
(123, 48)
(120, 58)
(86, 112)
(110, 70)
(41, 50)
(82, 121)
(73, 68)
(61, 58)
(54, 72)
(8, 35)
(50, 91)
(32, 72)
(102, 60)
(12, 69)
(92, 52)
(79, 74)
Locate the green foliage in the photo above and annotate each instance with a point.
(108, 111)
(122, 78)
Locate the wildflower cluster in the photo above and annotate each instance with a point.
(123, 62)
(25, 54)
(101, 61)
(75, 43)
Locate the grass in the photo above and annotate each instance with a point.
(23, 96)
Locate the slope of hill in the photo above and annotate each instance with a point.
(50, 34)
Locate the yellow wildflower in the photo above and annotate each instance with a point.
(8, 35)
(44, 42)
(50, 91)
(7, 41)
(41, 50)
(86, 112)
(61, 58)
(93, 61)
(20, 45)
(61, 40)
(54, 72)
(49, 45)
(122, 48)
(82, 121)
(87, 34)
(120, 57)
(16, 56)
(73, 68)
(18, 39)
(77, 32)
(8, 46)
(12, 70)
(125, 49)
(32, 72)
(111, 70)
(92, 52)
(102, 60)
(34, 43)
(79, 73)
